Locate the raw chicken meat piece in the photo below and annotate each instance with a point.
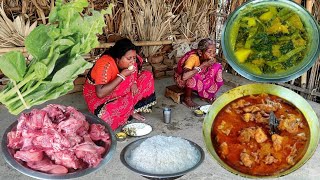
(47, 166)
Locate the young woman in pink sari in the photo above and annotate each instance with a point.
(199, 71)
(116, 87)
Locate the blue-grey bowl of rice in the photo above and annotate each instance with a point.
(162, 157)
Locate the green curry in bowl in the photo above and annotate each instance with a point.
(271, 40)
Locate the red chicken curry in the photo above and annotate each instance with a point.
(242, 138)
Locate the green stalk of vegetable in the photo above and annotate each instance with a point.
(57, 51)
(287, 56)
(234, 34)
(250, 39)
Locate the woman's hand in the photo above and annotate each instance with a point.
(134, 89)
(207, 63)
(127, 72)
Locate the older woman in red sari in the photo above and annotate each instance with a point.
(116, 87)
(198, 71)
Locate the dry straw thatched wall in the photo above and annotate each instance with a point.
(154, 25)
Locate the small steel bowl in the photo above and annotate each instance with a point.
(126, 154)
(121, 136)
(198, 113)
(8, 154)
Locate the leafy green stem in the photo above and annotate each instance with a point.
(25, 93)
(19, 85)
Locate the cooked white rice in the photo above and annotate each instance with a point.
(164, 155)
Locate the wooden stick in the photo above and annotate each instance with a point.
(304, 80)
(51, 5)
(233, 83)
(314, 70)
(303, 90)
(108, 45)
(19, 9)
(151, 43)
(309, 5)
(298, 1)
(313, 77)
(5, 50)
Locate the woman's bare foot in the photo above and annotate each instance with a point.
(190, 104)
(138, 116)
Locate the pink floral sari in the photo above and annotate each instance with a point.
(206, 83)
(116, 108)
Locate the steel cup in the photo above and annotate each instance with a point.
(167, 115)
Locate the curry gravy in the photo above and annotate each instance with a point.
(242, 139)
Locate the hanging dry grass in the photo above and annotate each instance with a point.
(195, 18)
(235, 4)
(127, 28)
(12, 34)
(316, 10)
(114, 20)
(100, 4)
(34, 9)
(154, 21)
(223, 9)
(11, 3)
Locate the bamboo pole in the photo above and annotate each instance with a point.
(292, 81)
(51, 5)
(5, 50)
(309, 4)
(108, 45)
(306, 91)
(19, 9)
(151, 43)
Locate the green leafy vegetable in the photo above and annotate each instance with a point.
(13, 65)
(38, 42)
(57, 51)
(286, 47)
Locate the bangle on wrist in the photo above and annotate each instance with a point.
(121, 76)
(198, 69)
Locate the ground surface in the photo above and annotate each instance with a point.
(184, 124)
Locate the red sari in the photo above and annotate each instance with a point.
(116, 108)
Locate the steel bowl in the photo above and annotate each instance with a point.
(126, 154)
(8, 155)
(228, 40)
(253, 89)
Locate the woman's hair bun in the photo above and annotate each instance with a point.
(121, 47)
